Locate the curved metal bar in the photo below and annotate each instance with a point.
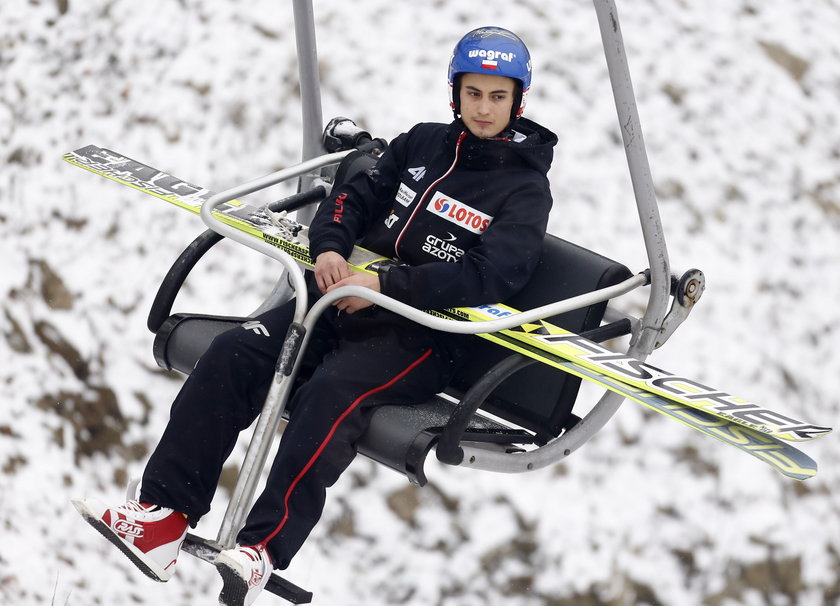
(476, 457)
(265, 248)
(449, 449)
(171, 284)
(472, 328)
(640, 175)
(645, 339)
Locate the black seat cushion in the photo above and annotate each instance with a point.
(540, 398)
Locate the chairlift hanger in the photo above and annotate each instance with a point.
(648, 332)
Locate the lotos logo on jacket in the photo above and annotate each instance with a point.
(459, 213)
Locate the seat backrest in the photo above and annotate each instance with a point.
(540, 398)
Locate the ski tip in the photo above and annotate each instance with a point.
(89, 509)
(80, 506)
(796, 465)
(801, 477)
(804, 433)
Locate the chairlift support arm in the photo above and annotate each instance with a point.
(640, 175)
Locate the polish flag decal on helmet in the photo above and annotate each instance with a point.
(486, 64)
(458, 213)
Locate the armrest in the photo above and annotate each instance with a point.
(174, 279)
(449, 450)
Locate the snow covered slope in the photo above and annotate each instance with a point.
(739, 103)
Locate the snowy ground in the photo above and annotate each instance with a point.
(739, 102)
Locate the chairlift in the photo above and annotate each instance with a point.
(490, 418)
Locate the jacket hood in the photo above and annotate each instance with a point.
(523, 143)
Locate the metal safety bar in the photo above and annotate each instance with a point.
(269, 419)
(256, 185)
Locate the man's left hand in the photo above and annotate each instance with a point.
(354, 304)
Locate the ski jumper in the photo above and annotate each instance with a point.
(465, 218)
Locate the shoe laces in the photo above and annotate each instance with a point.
(134, 505)
(259, 554)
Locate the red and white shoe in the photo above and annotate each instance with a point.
(149, 535)
(245, 572)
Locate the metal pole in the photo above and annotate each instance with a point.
(634, 147)
(310, 92)
(312, 123)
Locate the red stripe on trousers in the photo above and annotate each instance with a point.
(329, 437)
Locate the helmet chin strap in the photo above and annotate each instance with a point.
(456, 97)
(517, 103)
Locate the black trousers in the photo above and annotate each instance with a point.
(353, 363)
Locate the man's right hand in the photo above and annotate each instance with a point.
(330, 267)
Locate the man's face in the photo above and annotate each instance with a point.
(486, 101)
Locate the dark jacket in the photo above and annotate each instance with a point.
(466, 216)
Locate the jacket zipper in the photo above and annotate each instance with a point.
(428, 189)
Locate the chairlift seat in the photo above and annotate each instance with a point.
(533, 405)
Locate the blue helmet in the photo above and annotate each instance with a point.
(495, 51)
